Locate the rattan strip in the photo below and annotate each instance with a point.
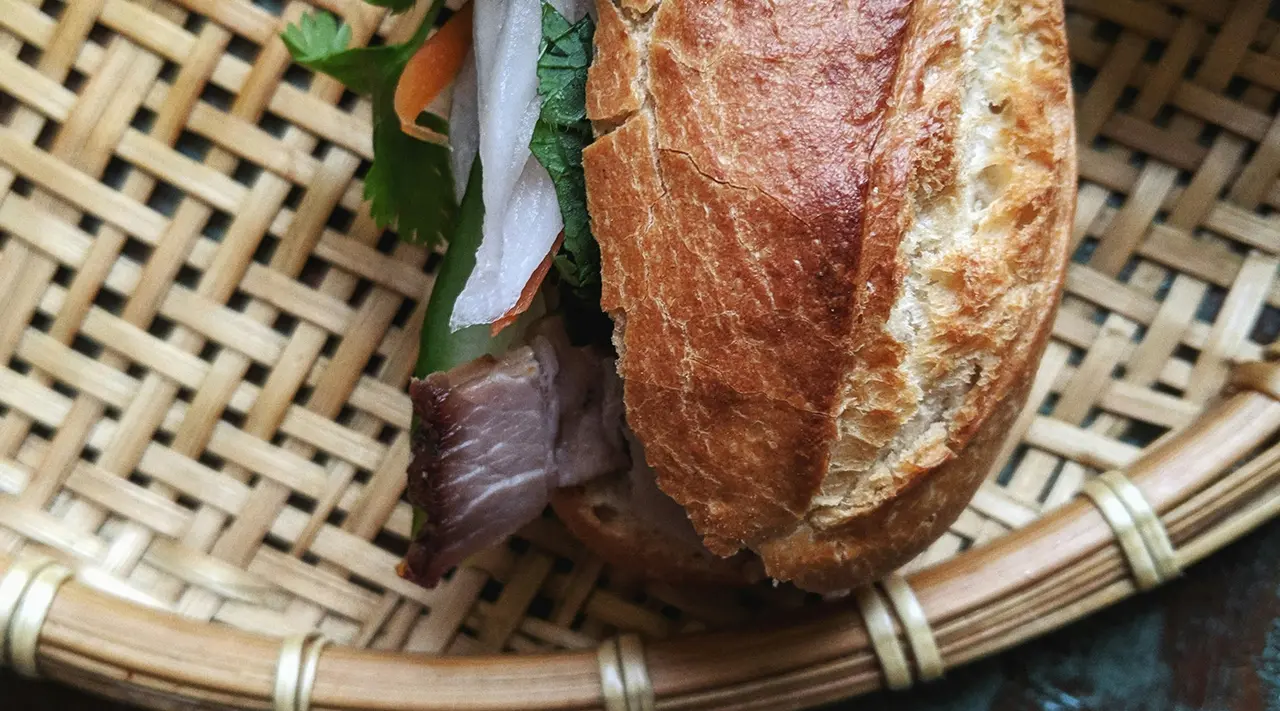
(924, 647)
(13, 587)
(1126, 532)
(624, 677)
(296, 671)
(1070, 593)
(1138, 529)
(1150, 528)
(613, 687)
(884, 638)
(884, 635)
(29, 618)
(27, 592)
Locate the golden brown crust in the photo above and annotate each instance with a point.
(613, 91)
(731, 262)
(870, 546)
(943, 330)
(832, 238)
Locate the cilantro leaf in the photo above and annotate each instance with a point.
(409, 183)
(560, 134)
(319, 43)
(316, 36)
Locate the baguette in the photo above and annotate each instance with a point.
(833, 235)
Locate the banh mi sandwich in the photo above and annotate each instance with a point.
(739, 288)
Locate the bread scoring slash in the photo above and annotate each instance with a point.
(833, 234)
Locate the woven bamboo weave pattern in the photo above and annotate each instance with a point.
(204, 338)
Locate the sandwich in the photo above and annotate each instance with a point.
(740, 289)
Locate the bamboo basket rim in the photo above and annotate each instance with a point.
(1180, 165)
(722, 669)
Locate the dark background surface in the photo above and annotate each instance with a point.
(1207, 642)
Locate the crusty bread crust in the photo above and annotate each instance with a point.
(888, 537)
(832, 237)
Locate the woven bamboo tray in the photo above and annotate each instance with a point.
(205, 342)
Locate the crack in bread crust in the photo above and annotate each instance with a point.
(831, 237)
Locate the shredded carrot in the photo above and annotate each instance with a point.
(530, 290)
(430, 70)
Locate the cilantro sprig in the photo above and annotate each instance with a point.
(409, 183)
(560, 134)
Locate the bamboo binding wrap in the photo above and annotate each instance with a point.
(205, 341)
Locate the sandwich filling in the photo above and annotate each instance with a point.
(831, 245)
(497, 436)
(505, 412)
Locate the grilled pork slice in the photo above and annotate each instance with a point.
(496, 437)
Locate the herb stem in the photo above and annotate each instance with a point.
(441, 348)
